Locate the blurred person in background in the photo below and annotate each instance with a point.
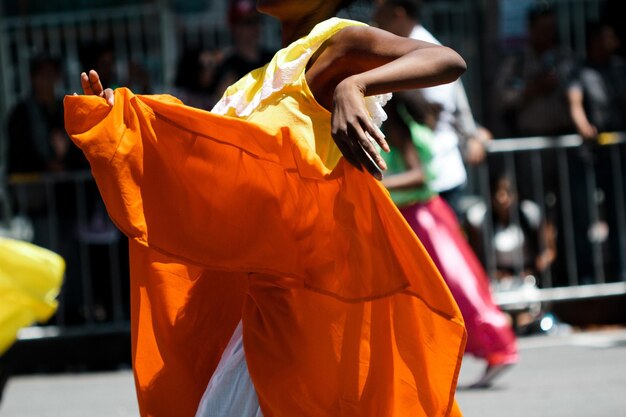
(37, 138)
(597, 91)
(614, 15)
(39, 144)
(457, 136)
(523, 242)
(530, 98)
(411, 140)
(597, 98)
(100, 55)
(197, 76)
(246, 53)
(524, 247)
(530, 87)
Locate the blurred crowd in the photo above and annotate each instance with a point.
(544, 90)
(541, 89)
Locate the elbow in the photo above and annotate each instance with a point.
(456, 65)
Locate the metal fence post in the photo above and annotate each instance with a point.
(4, 91)
(539, 197)
(168, 43)
(594, 218)
(568, 217)
(620, 204)
(488, 231)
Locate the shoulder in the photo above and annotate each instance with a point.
(362, 45)
(344, 50)
(352, 38)
(368, 38)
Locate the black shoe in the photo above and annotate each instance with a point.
(491, 373)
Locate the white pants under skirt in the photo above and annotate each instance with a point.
(230, 392)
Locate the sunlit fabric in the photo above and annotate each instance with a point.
(343, 313)
(490, 335)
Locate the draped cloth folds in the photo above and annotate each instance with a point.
(343, 312)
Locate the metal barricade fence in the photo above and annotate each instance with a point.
(576, 187)
(575, 191)
(135, 34)
(154, 33)
(153, 36)
(149, 36)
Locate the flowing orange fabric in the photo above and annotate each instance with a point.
(343, 312)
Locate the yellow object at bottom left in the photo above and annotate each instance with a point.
(30, 280)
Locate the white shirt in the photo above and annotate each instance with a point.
(447, 162)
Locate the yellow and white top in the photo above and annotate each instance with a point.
(277, 95)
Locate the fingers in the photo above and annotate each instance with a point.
(377, 134)
(362, 150)
(364, 138)
(109, 96)
(96, 85)
(354, 132)
(368, 162)
(345, 146)
(358, 147)
(92, 85)
(84, 82)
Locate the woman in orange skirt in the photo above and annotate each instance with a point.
(249, 233)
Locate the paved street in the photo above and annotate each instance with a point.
(580, 375)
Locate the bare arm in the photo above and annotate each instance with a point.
(475, 150)
(361, 61)
(380, 62)
(548, 254)
(577, 111)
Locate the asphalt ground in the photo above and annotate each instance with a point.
(573, 375)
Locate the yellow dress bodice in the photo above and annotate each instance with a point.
(277, 95)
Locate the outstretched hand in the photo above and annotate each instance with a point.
(93, 86)
(354, 132)
(476, 146)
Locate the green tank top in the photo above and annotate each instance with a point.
(422, 138)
